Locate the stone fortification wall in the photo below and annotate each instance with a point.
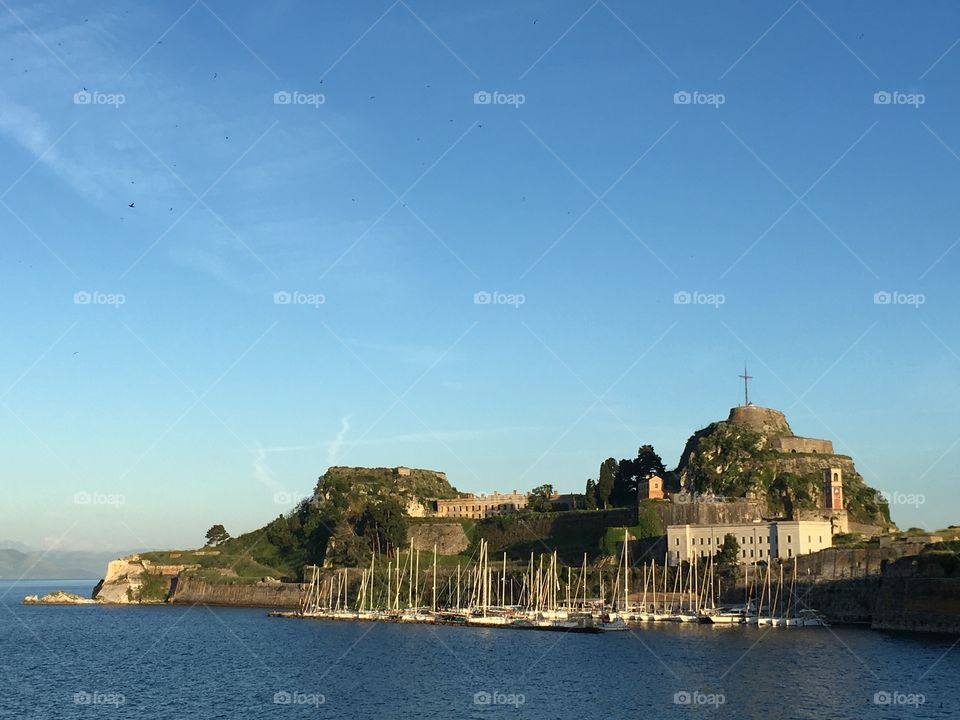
(801, 445)
(689, 509)
(919, 593)
(268, 595)
(449, 538)
(766, 421)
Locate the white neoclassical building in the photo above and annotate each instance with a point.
(759, 541)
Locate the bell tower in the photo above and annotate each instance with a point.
(833, 488)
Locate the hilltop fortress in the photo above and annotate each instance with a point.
(754, 454)
(772, 424)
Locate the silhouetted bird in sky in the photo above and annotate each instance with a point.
(131, 204)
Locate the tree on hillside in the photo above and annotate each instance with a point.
(648, 462)
(590, 496)
(539, 498)
(629, 473)
(281, 536)
(216, 535)
(624, 490)
(608, 471)
(729, 552)
(383, 525)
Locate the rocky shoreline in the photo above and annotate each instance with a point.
(59, 597)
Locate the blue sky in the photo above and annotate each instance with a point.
(148, 365)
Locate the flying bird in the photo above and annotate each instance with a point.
(132, 204)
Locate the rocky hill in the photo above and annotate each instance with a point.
(754, 453)
(352, 510)
(410, 487)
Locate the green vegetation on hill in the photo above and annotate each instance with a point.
(353, 512)
(733, 460)
(571, 533)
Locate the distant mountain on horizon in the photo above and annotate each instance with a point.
(21, 561)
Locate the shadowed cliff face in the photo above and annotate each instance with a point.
(755, 453)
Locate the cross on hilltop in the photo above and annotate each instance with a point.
(746, 390)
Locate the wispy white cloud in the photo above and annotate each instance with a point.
(333, 450)
(261, 470)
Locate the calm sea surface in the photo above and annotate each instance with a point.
(199, 662)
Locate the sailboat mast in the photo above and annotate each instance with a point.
(503, 591)
(626, 574)
(433, 605)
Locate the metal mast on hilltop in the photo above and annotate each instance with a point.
(746, 390)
